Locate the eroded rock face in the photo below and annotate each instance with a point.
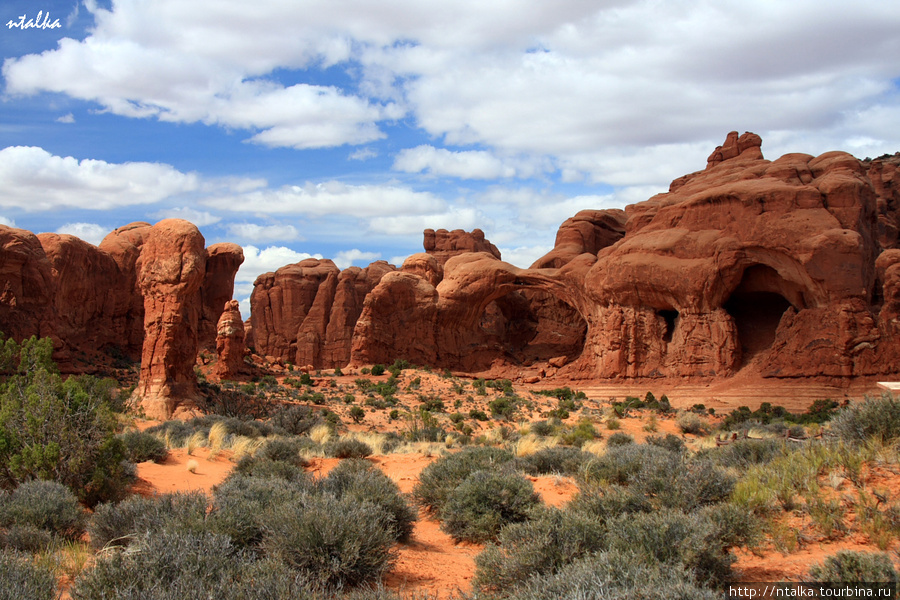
(171, 271)
(92, 301)
(305, 313)
(230, 342)
(443, 244)
(222, 264)
(777, 266)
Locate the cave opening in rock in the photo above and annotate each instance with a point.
(671, 317)
(757, 305)
(534, 326)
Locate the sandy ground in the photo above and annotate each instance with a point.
(433, 562)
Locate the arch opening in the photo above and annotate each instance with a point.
(534, 326)
(757, 305)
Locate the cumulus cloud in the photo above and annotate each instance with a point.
(197, 217)
(524, 256)
(89, 232)
(456, 218)
(332, 198)
(32, 179)
(363, 154)
(261, 233)
(347, 258)
(69, 118)
(470, 164)
(7, 222)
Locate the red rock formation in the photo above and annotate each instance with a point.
(26, 286)
(222, 264)
(230, 342)
(752, 263)
(587, 232)
(443, 244)
(305, 313)
(171, 268)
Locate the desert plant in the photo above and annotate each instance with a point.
(486, 501)
(564, 460)
(613, 575)
(619, 438)
(283, 449)
(21, 578)
(294, 419)
(378, 370)
(872, 418)
(605, 502)
(539, 547)
(43, 505)
(335, 542)
(122, 523)
(347, 448)
(440, 478)
(360, 480)
(59, 430)
(672, 537)
(848, 566)
(357, 414)
(240, 502)
(690, 422)
(141, 446)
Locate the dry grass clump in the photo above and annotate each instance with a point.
(192, 466)
(530, 443)
(320, 434)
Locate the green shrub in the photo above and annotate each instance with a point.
(141, 446)
(266, 468)
(378, 370)
(21, 578)
(122, 523)
(539, 547)
(240, 503)
(294, 419)
(619, 438)
(173, 565)
(502, 407)
(744, 453)
(59, 430)
(43, 505)
(357, 414)
(690, 422)
(541, 428)
(669, 442)
(478, 415)
(440, 478)
(335, 542)
(672, 537)
(360, 480)
(347, 448)
(486, 501)
(606, 502)
(855, 567)
(872, 418)
(564, 460)
(613, 575)
(282, 449)
(26, 538)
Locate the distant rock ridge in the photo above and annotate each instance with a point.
(142, 295)
(787, 268)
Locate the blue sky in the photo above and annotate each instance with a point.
(343, 128)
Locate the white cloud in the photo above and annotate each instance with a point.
(32, 179)
(89, 232)
(524, 256)
(363, 154)
(455, 218)
(69, 118)
(470, 164)
(197, 217)
(7, 222)
(332, 198)
(347, 258)
(262, 233)
(398, 261)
